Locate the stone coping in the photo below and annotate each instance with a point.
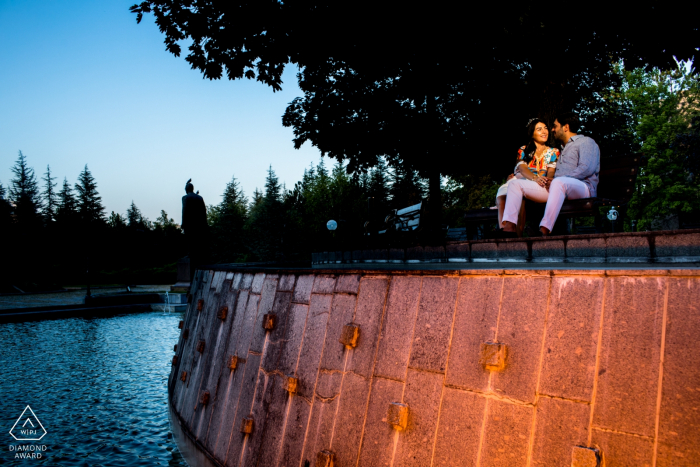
(654, 247)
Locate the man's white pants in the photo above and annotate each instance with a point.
(560, 189)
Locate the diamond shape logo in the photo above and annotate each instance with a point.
(28, 427)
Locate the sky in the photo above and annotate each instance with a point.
(82, 83)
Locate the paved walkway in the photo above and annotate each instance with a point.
(70, 297)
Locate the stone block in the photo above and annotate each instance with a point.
(271, 356)
(628, 372)
(294, 334)
(324, 283)
(246, 281)
(342, 311)
(457, 252)
(368, 316)
(302, 289)
(286, 283)
(350, 418)
(396, 255)
(415, 254)
(280, 309)
(585, 250)
(263, 318)
(459, 430)
(476, 316)
(493, 356)
(514, 250)
(571, 342)
(270, 410)
(258, 280)
(434, 254)
(548, 251)
(678, 245)
(623, 450)
(397, 416)
(378, 441)
(434, 323)
(397, 327)
(679, 417)
(487, 251)
(521, 328)
(627, 247)
(348, 283)
(236, 282)
(312, 346)
(325, 406)
(242, 410)
(559, 425)
(295, 432)
(375, 256)
(248, 325)
(582, 456)
(422, 394)
(217, 280)
(506, 435)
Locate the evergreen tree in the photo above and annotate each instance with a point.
(266, 222)
(165, 223)
(379, 182)
(406, 187)
(89, 202)
(227, 221)
(116, 221)
(5, 210)
(135, 219)
(66, 206)
(50, 202)
(24, 193)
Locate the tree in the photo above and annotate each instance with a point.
(89, 202)
(227, 222)
(50, 201)
(135, 219)
(116, 221)
(266, 221)
(66, 207)
(418, 87)
(24, 193)
(5, 210)
(663, 105)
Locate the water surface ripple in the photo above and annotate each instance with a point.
(99, 387)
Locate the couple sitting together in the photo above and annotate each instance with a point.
(544, 174)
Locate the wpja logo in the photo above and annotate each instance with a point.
(28, 428)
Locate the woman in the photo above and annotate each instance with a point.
(535, 167)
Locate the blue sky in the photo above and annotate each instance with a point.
(82, 83)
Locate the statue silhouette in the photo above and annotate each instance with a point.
(194, 223)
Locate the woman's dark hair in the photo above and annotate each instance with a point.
(530, 147)
(570, 119)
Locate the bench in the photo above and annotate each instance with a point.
(615, 188)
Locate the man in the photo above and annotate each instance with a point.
(194, 223)
(576, 175)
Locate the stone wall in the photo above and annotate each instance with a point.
(676, 246)
(459, 368)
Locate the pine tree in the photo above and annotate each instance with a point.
(5, 209)
(90, 205)
(50, 201)
(227, 224)
(67, 205)
(406, 188)
(379, 182)
(134, 218)
(272, 186)
(24, 193)
(116, 221)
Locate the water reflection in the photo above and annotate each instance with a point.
(99, 387)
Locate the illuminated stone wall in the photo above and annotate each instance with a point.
(491, 367)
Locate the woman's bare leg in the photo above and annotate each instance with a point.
(501, 203)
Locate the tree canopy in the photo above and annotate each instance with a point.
(401, 81)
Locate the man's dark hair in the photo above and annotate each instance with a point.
(571, 119)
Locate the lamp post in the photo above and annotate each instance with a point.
(612, 216)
